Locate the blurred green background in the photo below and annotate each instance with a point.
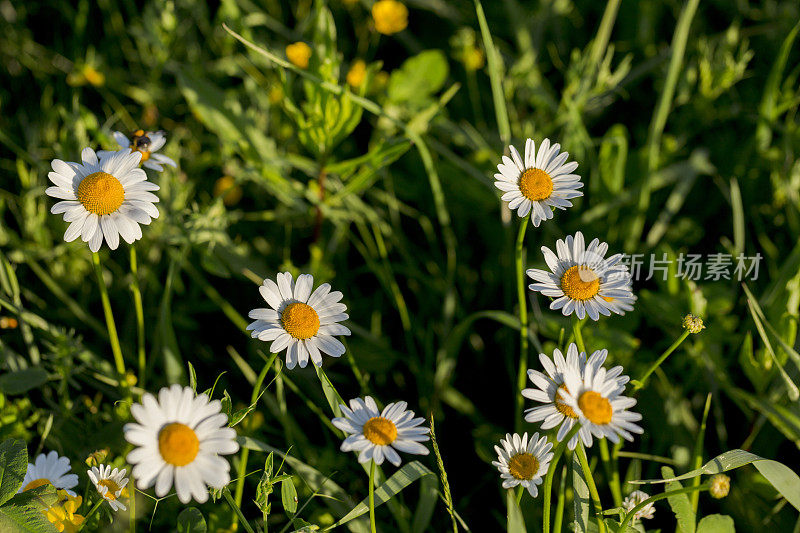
(682, 149)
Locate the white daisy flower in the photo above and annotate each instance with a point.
(381, 434)
(49, 469)
(522, 461)
(540, 183)
(596, 398)
(109, 484)
(635, 498)
(180, 438)
(105, 198)
(549, 384)
(582, 281)
(147, 143)
(301, 321)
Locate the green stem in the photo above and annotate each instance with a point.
(576, 330)
(132, 505)
(91, 512)
(587, 473)
(139, 308)
(372, 497)
(236, 510)
(110, 325)
(242, 468)
(562, 500)
(686, 490)
(698, 452)
(520, 490)
(547, 489)
(523, 316)
(660, 360)
(611, 473)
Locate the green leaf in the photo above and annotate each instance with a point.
(516, 522)
(24, 513)
(785, 481)
(22, 381)
(289, 495)
(716, 523)
(191, 521)
(331, 394)
(680, 504)
(581, 496)
(13, 465)
(399, 480)
(418, 77)
(264, 487)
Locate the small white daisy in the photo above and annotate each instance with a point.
(179, 439)
(635, 498)
(103, 198)
(147, 143)
(302, 322)
(49, 469)
(596, 398)
(582, 281)
(540, 183)
(109, 484)
(548, 387)
(377, 434)
(522, 461)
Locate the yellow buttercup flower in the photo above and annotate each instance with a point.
(227, 188)
(298, 53)
(357, 73)
(390, 16)
(63, 515)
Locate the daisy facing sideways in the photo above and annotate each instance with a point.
(379, 434)
(179, 439)
(540, 182)
(549, 386)
(109, 484)
(523, 461)
(582, 281)
(103, 198)
(52, 470)
(302, 322)
(146, 143)
(596, 399)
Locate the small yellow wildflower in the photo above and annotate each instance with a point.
(94, 77)
(63, 516)
(474, 59)
(298, 53)
(720, 486)
(227, 188)
(693, 323)
(357, 73)
(97, 457)
(275, 94)
(390, 16)
(7, 322)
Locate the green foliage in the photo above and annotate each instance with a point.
(683, 117)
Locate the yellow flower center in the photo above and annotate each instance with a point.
(580, 283)
(562, 407)
(596, 408)
(390, 16)
(523, 466)
(36, 483)
(300, 320)
(380, 431)
(101, 193)
(535, 184)
(178, 444)
(112, 487)
(299, 54)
